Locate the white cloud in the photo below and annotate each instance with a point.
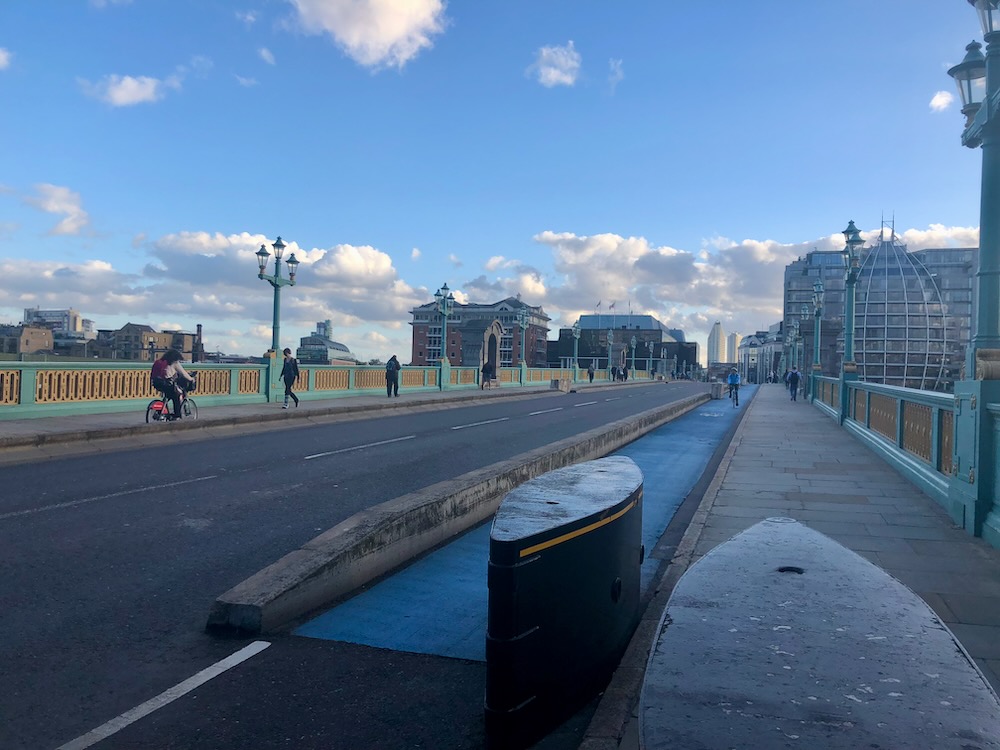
(266, 55)
(5, 57)
(54, 199)
(248, 17)
(415, 254)
(616, 74)
(246, 82)
(375, 33)
(455, 260)
(124, 91)
(941, 101)
(127, 91)
(557, 66)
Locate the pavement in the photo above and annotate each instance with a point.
(787, 459)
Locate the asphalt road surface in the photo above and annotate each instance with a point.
(112, 560)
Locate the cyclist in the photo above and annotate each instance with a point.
(734, 386)
(169, 376)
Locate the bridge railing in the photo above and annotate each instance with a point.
(913, 430)
(44, 389)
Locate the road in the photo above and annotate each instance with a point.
(111, 560)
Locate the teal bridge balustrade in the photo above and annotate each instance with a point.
(48, 389)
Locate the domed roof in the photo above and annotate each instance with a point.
(902, 330)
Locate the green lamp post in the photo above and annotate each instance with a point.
(634, 343)
(817, 300)
(576, 347)
(975, 449)
(611, 341)
(276, 281)
(444, 301)
(649, 359)
(852, 260)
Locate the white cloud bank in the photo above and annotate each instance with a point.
(5, 57)
(941, 101)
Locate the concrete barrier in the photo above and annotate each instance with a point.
(781, 637)
(379, 539)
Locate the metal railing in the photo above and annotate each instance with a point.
(41, 389)
(911, 429)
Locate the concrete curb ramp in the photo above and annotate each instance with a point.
(379, 539)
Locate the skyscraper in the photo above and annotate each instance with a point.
(716, 345)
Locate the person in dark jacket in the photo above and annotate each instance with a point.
(793, 383)
(489, 372)
(392, 368)
(289, 373)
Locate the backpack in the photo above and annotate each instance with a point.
(159, 371)
(391, 367)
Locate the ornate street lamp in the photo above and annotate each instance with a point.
(852, 262)
(522, 322)
(576, 345)
(445, 302)
(852, 259)
(276, 281)
(817, 332)
(649, 363)
(633, 342)
(611, 340)
(970, 500)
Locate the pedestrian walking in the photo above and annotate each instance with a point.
(793, 383)
(392, 369)
(488, 372)
(289, 373)
(590, 372)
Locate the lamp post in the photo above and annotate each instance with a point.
(611, 340)
(522, 322)
(444, 301)
(634, 343)
(852, 260)
(971, 490)
(276, 281)
(649, 363)
(817, 331)
(576, 347)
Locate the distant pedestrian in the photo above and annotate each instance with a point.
(488, 372)
(289, 373)
(614, 372)
(784, 378)
(793, 383)
(392, 368)
(590, 372)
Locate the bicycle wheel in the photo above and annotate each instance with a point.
(189, 409)
(153, 413)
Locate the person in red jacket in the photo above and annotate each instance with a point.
(169, 376)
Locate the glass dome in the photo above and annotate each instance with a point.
(903, 334)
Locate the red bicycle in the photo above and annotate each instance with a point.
(159, 409)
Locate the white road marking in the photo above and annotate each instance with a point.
(360, 447)
(120, 722)
(616, 398)
(585, 403)
(477, 424)
(544, 411)
(72, 503)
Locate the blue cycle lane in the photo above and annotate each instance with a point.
(438, 604)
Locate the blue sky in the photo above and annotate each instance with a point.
(675, 155)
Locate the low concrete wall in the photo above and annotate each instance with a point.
(379, 539)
